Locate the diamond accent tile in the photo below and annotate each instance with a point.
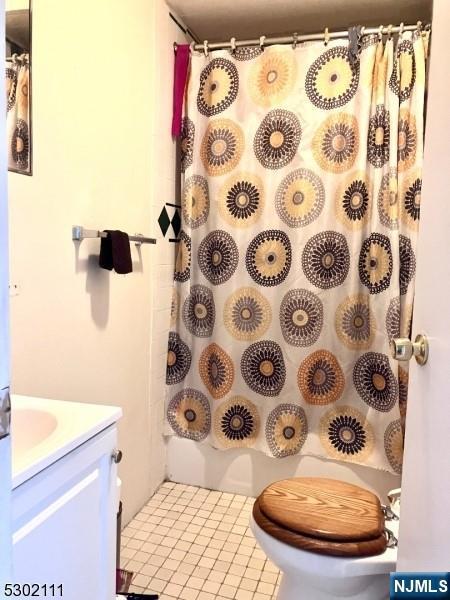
(164, 221)
(176, 224)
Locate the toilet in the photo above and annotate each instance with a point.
(330, 539)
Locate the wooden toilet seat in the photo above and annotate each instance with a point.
(323, 516)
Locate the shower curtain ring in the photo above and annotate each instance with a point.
(400, 31)
(419, 26)
(389, 31)
(233, 44)
(380, 33)
(192, 47)
(262, 39)
(294, 40)
(326, 36)
(205, 47)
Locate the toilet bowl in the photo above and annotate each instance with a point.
(315, 575)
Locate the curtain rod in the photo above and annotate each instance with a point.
(291, 39)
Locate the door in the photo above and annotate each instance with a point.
(5, 444)
(424, 539)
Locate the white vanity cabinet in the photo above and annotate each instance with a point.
(64, 524)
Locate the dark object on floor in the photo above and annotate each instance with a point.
(119, 535)
(140, 596)
(123, 581)
(115, 252)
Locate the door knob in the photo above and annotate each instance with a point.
(116, 456)
(404, 349)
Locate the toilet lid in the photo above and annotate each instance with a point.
(319, 546)
(323, 508)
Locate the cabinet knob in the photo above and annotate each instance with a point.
(404, 349)
(117, 456)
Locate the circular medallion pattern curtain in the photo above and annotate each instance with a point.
(296, 261)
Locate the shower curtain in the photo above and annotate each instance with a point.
(18, 114)
(296, 261)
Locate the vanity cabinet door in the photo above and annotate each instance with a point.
(64, 524)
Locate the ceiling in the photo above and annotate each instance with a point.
(218, 20)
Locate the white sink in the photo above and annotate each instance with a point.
(43, 431)
(30, 428)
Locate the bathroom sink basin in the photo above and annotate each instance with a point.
(30, 427)
(43, 431)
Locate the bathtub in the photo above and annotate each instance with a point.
(248, 472)
(64, 499)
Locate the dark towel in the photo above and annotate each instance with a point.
(115, 252)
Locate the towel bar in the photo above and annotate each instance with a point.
(79, 233)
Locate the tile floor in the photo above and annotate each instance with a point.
(195, 544)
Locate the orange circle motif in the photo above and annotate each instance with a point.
(320, 378)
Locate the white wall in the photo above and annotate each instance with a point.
(17, 4)
(102, 158)
(164, 190)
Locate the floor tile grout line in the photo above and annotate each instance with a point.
(186, 501)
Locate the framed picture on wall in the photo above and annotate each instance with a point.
(18, 85)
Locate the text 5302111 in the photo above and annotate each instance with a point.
(33, 590)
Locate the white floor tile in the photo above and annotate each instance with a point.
(189, 594)
(265, 588)
(179, 578)
(227, 591)
(256, 563)
(173, 589)
(233, 580)
(248, 584)
(195, 582)
(189, 543)
(216, 576)
(163, 551)
(156, 585)
(244, 595)
(127, 553)
(205, 596)
(164, 574)
(211, 586)
(141, 580)
(149, 570)
(171, 564)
